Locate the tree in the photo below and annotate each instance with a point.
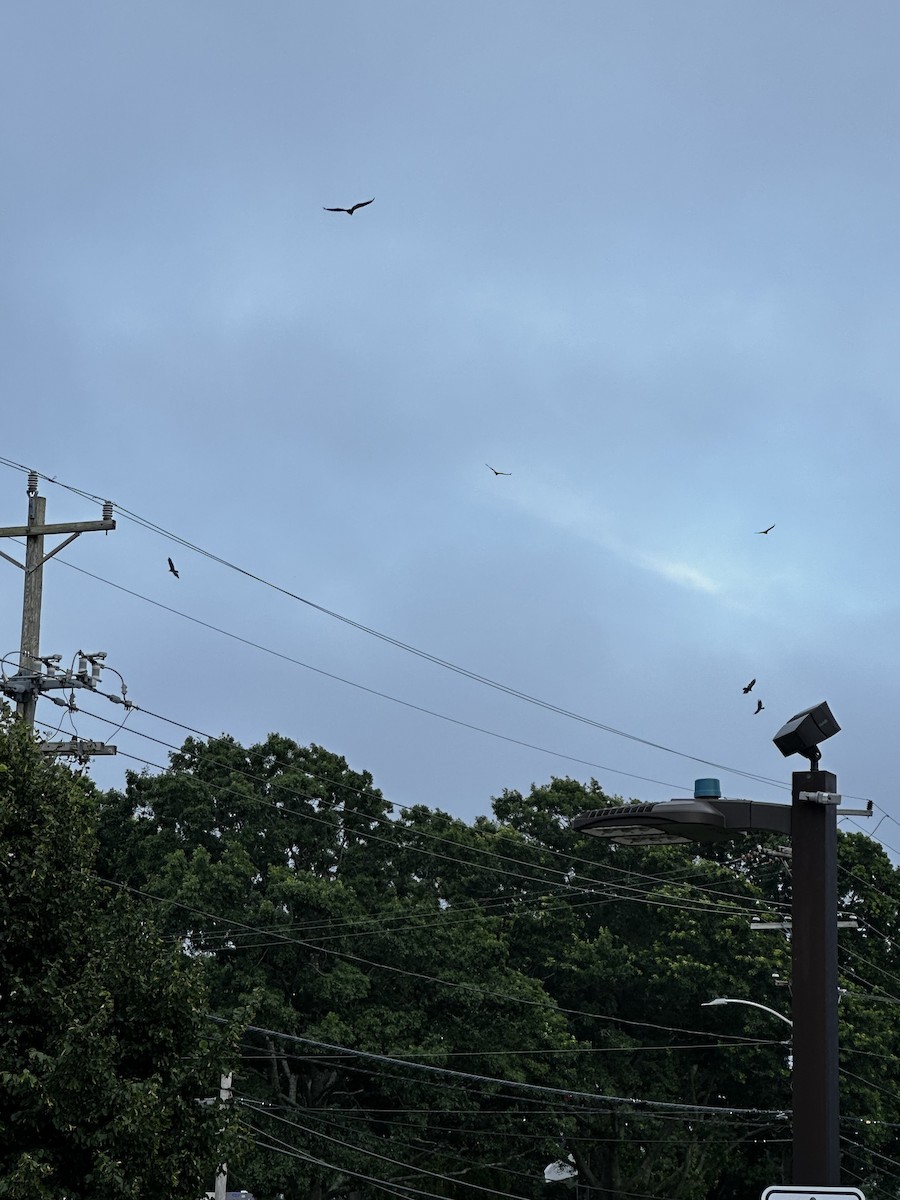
(283, 870)
(644, 937)
(502, 949)
(105, 1042)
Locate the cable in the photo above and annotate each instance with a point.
(639, 1104)
(431, 1146)
(666, 1047)
(536, 1110)
(639, 896)
(384, 1158)
(736, 907)
(405, 1189)
(481, 992)
(876, 1087)
(398, 643)
(367, 1115)
(569, 858)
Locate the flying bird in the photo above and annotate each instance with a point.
(759, 707)
(769, 530)
(496, 472)
(350, 211)
(749, 687)
(172, 569)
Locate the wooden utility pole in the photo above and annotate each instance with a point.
(30, 679)
(222, 1170)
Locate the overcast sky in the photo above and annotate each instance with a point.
(642, 256)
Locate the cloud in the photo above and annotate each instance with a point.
(580, 515)
(679, 572)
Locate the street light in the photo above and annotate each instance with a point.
(811, 823)
(751, 1003)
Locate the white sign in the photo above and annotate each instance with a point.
(812, 1193)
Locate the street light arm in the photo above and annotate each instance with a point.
(751, 1003)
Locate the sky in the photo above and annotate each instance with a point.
(643, 257)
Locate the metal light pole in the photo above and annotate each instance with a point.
(814, 978)
(811, 823)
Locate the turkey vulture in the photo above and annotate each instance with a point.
(759, 707)
(769, 530)
(749, 687)
(172, 569)
(350, 211)
(496, 472)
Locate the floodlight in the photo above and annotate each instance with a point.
(804, 731)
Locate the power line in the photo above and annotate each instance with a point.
(402, 645)
(480, 991)
(639, 1104)
(566, 856)
(736, 905)
(367, 1115)
(430, 712)
(275, 931)
(384, 1158)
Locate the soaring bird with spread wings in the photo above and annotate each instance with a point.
(769, 530)
(749, 687)
(350, 211)
(496, 472)
(172, 569)
(759, 707)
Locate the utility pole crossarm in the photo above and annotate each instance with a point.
(61, 527)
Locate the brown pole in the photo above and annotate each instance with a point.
(29, 647)
(815, 983)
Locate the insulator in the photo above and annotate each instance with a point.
(107, 510)
(32, 483)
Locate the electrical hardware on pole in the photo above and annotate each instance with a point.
(36, 674)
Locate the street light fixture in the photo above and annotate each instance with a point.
(811, 823)
(754, 1004)
(706, 818)
(751, 1003)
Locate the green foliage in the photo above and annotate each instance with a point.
(104, 1042)
(506, 949)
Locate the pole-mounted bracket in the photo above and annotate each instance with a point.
(78, 748)
(821, 797)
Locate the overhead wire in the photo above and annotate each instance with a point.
(396, 642)
(446, 664)
(484, 993)
(736, 901)
(534, 1136)
(383, 1157)
(859, 1152)
(394, 1189)
(538, 1108)
(567, 856)
(571, 1093)
(363, 1114)
(631, 894)
(276, 931)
